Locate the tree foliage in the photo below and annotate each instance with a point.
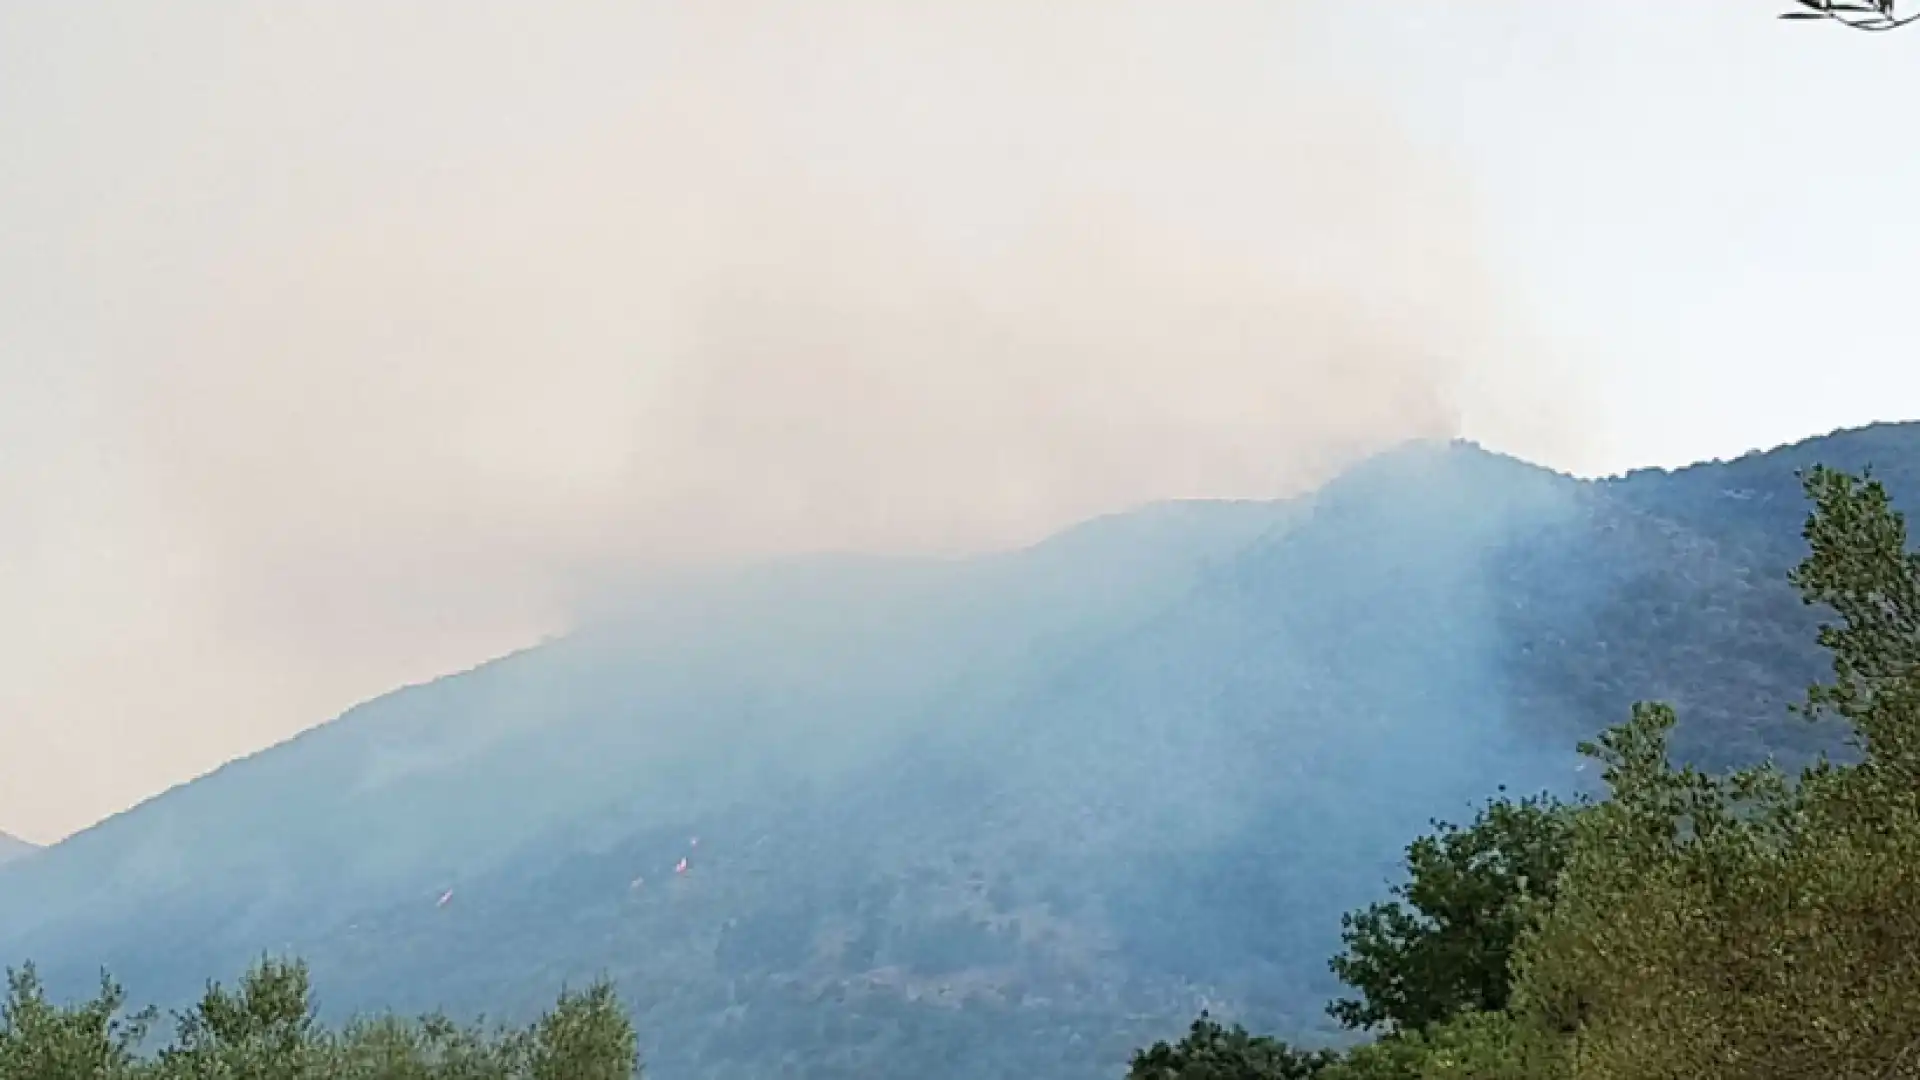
(40, 1040)
(264, 1028)
(1441, 946)
(1212, 1052)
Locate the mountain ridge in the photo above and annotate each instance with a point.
(12, 847)
(961, 814)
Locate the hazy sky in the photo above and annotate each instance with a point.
(346, 345)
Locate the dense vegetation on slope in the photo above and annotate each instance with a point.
(1691, 924)
(1012, 816)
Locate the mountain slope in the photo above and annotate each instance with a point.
(12, 847)
(984, 817)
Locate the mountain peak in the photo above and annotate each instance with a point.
(1440, 478)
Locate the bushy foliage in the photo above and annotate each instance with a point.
(40, 1040)
(1213, 1052)
(1466, 1046)
(265, 1029)
(1442, 945)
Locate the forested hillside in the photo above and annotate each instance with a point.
(1015, 815)
(1687, 924)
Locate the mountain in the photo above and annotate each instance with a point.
(12, 847)
(1009, 815)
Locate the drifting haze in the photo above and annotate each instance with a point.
(349, 346)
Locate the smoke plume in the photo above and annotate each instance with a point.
(387, 336)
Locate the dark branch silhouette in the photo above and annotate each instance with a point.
(1870, 15)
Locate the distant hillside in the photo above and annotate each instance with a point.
(1035, 807)
(12, 847)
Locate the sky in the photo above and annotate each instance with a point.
(344, 346)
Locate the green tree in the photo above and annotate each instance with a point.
(264, 1029)
(90, 1041)
(1742, 926)
(1468, 1046)
(587, 1036)
(432, 1048)
(1443, 944)
(1212, 1052)
(1858, 567)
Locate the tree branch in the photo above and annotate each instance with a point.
(1873, 16)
